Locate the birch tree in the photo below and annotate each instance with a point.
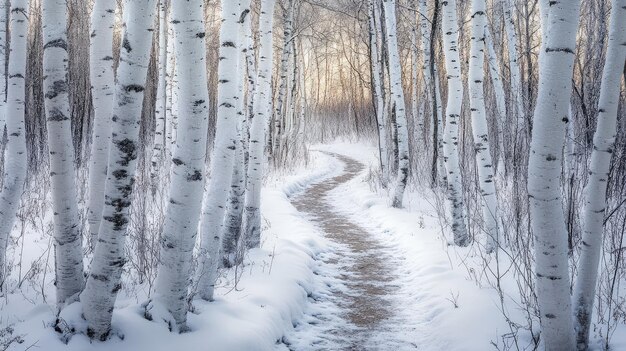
(102, 90)
(224, 151)
(158, 149)
(546, 212)
(450, 30)
(258, 127)
(4, 5)
(418, 121)
(595, 191)
(103, 282)
(282, 76)
(376, 66)
(234, 210)
(480, 132)
(183, 210)
(395, 76)
(516, 85)
(496, 82)
(67, 227)
(15, 162)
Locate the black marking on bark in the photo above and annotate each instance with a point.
(56, 43)
(119, 174)
(175, 21)
(196, 176)
(565, 50)
(93, 33)
(107, 58)
(58, 87)
(565, 119)
(550, 316)
(100, 277)
(200, 35)
(228, 44)
(244, 13)
(116, 288)
(550, 158)
(18, 75)
(57, 116)
(119, 221)
(126, 45)
(128, 149)
(198, 103)
(134, 87)
(177, 161)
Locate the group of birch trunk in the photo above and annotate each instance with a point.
(507, 139)
(193, 174)
(513, 109)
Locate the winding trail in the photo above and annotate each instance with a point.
(364, 289)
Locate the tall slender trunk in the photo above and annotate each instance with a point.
(15, 161)
(258, 127)
(450, 30)
(158, 149)
(234, 211)
(595, 191)
(67, 227)
(224, 151)
(489, 201)
(171, 91)
(283, 78)
(4, 6)
(516, 85)
(102, 90)
(544, 171)
(431, 81)
(187, 172)
(104, 282)
(496, 82)
(397, 94)
(418, 122)
(374, 22)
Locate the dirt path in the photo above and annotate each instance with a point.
(364, 297)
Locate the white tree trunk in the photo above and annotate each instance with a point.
(224, 151)
(516, 86)
(258, 127)
(450, 30)
(376, 64)
(187, 172)
(67, 227)
(234, 211)
(397, 94)
(595, 191)
(418, 122)
(104, 282)
(171, 91)
(15, 161)
(279, 115)
(544, 171)
(496, 82)
(3, 56)
(489, 201)
(102, 82)
(158, 149)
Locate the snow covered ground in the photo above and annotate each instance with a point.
(285, 295)
(269, 295)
